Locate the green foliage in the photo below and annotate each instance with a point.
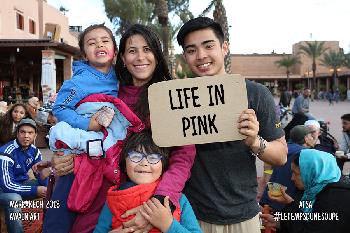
(124, 13)
(333, 59)
(299, 86)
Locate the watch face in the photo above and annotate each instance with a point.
(95, 149)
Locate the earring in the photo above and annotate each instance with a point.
(124, 65)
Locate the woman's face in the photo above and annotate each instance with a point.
(139, 60)
(296, 177)
(18, 113)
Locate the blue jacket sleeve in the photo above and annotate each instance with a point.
(64, 108)
(188, 222)
(104, 221)
(8, 183)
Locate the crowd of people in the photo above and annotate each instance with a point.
(112, 177)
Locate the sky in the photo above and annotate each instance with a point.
(256, 26)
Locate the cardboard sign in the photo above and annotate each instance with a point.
(197, 110)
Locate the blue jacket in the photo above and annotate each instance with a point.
(283, 175)
(188, 221)
(14, 165)
(85, 81)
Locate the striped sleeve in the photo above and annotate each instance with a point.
(7, 181)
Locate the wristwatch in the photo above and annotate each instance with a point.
(262, 147)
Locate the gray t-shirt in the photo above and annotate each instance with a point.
(223, 184)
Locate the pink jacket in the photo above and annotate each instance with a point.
(88, 172)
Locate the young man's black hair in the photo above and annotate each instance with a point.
(198, 24)
(346, 117)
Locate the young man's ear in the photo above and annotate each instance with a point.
(225, 47)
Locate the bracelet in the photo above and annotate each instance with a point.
(262, 147)
(269, 172)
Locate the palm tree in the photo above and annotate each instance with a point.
(137, 11)
(288, 61)
(347, 60)
(219, 15)
(313, 50)
(333, 60)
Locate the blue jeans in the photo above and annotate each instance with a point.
(13, 226)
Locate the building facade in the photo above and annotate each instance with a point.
(262, 68)
(36, 48)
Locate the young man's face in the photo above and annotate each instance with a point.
(346, 125)
(26, 136)
(204, 54)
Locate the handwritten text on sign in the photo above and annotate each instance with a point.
(198, 110)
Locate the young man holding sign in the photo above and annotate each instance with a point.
(223, 185)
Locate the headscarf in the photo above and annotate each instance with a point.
(317, 169)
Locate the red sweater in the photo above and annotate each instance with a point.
(181, 157)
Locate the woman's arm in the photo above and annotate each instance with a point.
(179, 171)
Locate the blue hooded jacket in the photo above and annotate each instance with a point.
(86, 80)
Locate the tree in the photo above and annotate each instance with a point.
(162, 12)
(137, 11)
(288, 61)
(313, 50)
(333, 60)
(219, 15)
(124, 13)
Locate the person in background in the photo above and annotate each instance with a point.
(16, 158)
(302, 104)
(344, 142)
(324, 201)
(221, 192)
(286, 97)
(300, 138)
(33, 107)
(10, 120)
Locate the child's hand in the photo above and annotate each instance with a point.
(138, 223)
(158, 215)
(94, 125)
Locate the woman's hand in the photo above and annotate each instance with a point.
(122, 230)
(139, 224)
(284, 198)
(158, 215)
(62, 165)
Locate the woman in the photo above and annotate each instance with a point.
(9, 121)
(324, 195)
(140, 63)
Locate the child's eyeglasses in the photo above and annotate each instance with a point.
(137, 157)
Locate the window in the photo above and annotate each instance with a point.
(31, 26)
(20, 21)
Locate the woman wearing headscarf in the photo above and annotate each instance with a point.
(324, 205)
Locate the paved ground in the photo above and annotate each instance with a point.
(320, 109)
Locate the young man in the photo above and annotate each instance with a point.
(223, 184)
(302, 104)
(16, 158)
(344, 142)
